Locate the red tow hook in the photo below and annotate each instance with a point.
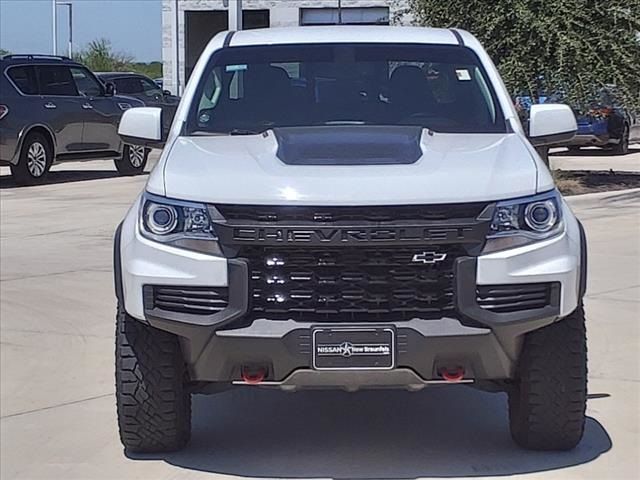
(253, 376)
(454, 375)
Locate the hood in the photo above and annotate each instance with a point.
(246, 169)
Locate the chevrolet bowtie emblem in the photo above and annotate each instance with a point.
(428, 257)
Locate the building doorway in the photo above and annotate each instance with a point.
(200, 26)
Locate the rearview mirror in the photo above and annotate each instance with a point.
(551, 124)
(142, 126)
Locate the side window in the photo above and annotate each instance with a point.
(486, 94)
(124, 85)
(150, 88)
(292, 69)
(24, 78)
(85, 83)
(211, 91)
(56, 80)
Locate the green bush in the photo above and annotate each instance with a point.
(547, 46)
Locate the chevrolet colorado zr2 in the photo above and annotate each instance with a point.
(349, 208)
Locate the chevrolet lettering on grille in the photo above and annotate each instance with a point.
(339, 236)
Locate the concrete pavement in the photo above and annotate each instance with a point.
(57, 405)
(594, 158)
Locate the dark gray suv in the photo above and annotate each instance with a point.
(144, 89)
(54, 109)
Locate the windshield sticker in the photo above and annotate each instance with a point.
(463, 74)
(236, 68)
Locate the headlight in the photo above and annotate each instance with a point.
(524, 220)
(179, 223)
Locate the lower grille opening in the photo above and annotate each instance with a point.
(186, 299)
(352, 284)
(514, 297)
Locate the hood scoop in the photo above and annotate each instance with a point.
(349, 145)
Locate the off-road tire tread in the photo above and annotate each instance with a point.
(548, 402)
(154, 407)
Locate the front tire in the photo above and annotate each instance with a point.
(133, 160)
(153, 404)
(36, 157)
(548, 402)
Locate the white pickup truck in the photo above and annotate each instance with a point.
(349, 207)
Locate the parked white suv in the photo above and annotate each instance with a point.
(349, 207)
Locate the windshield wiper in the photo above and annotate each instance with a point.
(243, 131)
(233, 131)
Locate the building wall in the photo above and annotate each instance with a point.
(283, 13)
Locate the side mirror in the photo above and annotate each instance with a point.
(109, 89)
(142, 126)
(551, 124)
(166, 92)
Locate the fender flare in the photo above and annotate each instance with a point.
(117, 267)
(582, 287)
(26, 131)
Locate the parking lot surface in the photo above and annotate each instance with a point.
(593, 158)
(57, 402)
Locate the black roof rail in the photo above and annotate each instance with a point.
(30, 56)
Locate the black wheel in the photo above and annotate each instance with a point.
(153, 404)
(547, 404)
(36, 157)
(622, 148)
(133, 160)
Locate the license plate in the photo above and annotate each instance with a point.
(353, 348)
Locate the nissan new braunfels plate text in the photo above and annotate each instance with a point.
(349, 207)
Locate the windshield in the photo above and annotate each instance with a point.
(251, 89)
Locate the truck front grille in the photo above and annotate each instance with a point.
(349, 283)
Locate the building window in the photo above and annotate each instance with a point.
(348, 16)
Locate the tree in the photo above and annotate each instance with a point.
(100, 57)
(573, 47)
(4, 52)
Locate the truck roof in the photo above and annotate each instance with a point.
(349, 34)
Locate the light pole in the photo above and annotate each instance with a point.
(70, 5)
(54, 20)
(235, 14)
(57, 3)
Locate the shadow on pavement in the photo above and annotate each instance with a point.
(440, 432)
(594, 152)
(64, 176)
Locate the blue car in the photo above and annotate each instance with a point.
(606, 123)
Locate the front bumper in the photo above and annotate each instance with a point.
(424, 347)
(586, 140)
(486, 344)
